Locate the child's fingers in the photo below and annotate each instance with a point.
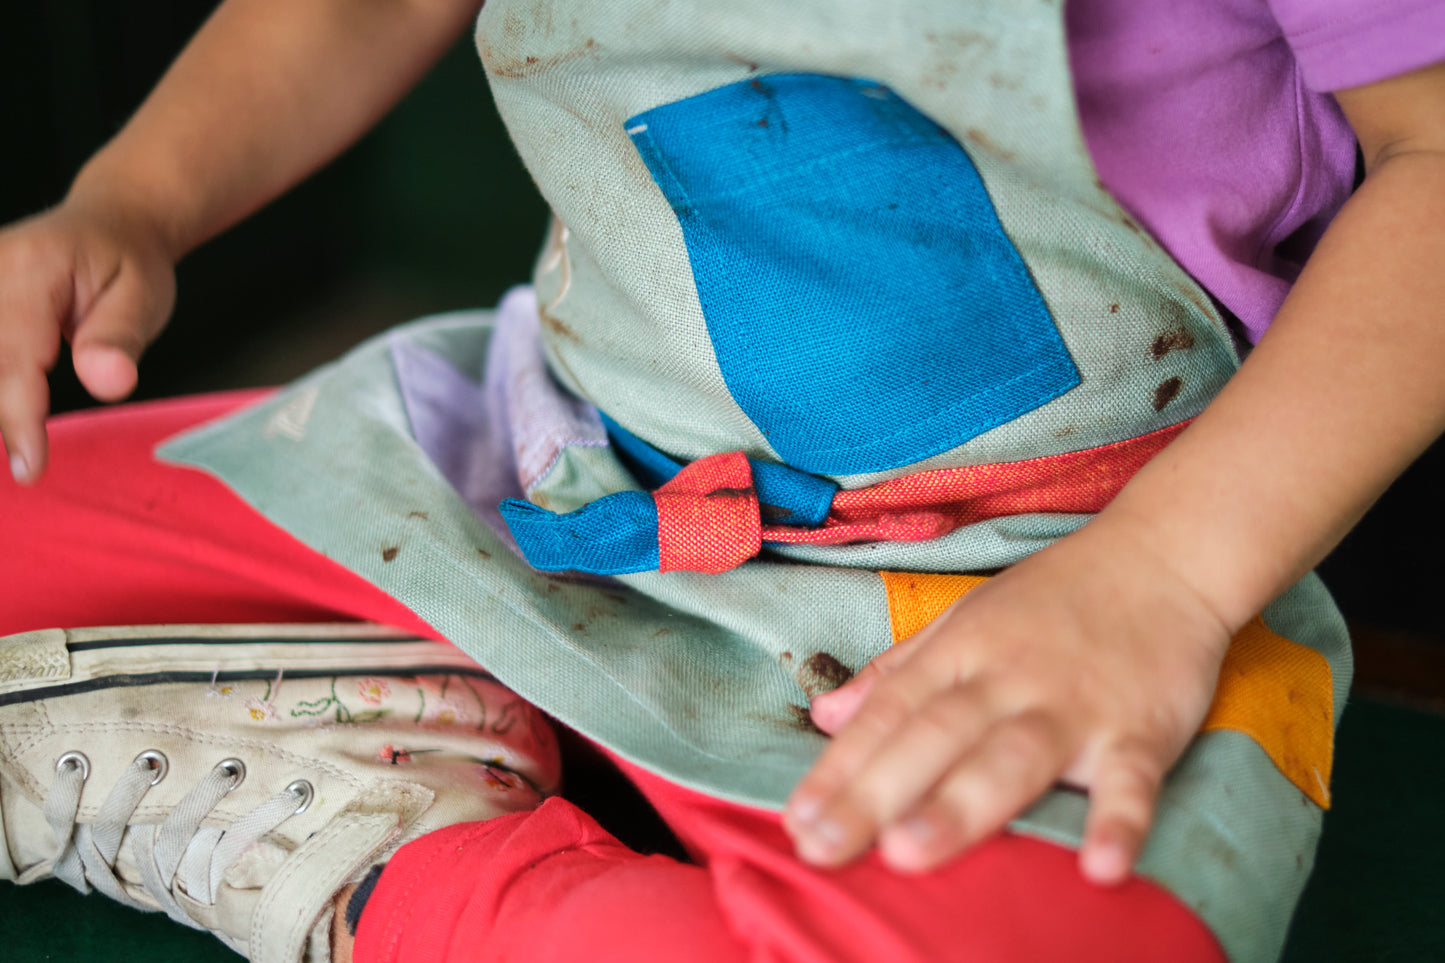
(891, 781)
(115, 330)
(1011, 766)
(29, 345)
(832, 710)
(108, 373)
(1122, 797)
(66, 272)
(892, 700)
(34, 297)
(24, 401)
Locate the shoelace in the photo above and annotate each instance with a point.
(177, 852)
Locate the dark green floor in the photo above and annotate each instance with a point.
(1376, 895)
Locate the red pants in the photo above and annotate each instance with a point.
(111, 537)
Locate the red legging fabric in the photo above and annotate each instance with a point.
(112, 537)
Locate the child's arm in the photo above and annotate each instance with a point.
(1095, 660)
(268, 91)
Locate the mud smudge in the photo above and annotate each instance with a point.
(516, 67)
(962, 39)
(1166, 392)
(802, 720)
(557, 326)
(981, 140)
(819, 672)
(730, 493)
(1169, 341)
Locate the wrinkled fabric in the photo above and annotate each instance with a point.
(552, 886)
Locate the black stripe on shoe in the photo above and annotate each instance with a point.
(247, 675)
(121, 643)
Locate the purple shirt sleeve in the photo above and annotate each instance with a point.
(1348, 43)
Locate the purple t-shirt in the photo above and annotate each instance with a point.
(1209, 121)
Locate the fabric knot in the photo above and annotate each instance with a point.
(707, 516)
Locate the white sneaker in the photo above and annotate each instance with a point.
(237, 777)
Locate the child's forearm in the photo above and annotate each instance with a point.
(1344, 391)
(1095, 659)
(268, 91)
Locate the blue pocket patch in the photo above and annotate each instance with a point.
(865, 306)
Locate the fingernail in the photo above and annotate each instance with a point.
(820, 841)
(827, 832)
(19, 467)
(805, 808)
(1106, 863)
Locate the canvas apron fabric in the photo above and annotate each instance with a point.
(859, 238)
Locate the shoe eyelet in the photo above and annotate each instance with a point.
(237, 771)
(76, 760)
(306, 791)
(157, 762)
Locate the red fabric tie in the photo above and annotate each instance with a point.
(933, 503)
(707, 516)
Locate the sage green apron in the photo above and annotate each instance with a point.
(391, 460)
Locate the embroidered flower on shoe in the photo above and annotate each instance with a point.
(261, 709)
(449, 701)
(373, 690)
(218, 690)
(394, 755)
(445, 713)
(264, 708)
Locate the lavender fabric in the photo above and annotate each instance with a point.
(1209, 122)
(495, 438)
(543, 418)
(460, 426)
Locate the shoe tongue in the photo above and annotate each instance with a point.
(256, 866)
(232, 916)
(292, 907)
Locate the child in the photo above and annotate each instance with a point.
(975, 343)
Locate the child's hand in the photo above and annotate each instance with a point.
(1089, 662)
(104, 282)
